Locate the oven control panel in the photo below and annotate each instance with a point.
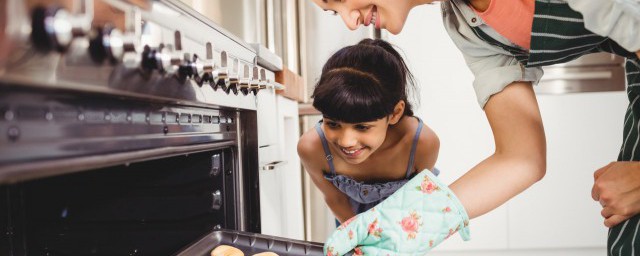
(157, 49)
(67, 126)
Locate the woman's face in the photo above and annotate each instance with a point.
(383, 14)
(355, 142)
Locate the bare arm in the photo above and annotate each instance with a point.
(520, 156)
(335, 199)
(427, 150)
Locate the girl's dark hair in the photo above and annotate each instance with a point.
(363, 83)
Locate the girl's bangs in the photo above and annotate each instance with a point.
(351, 98)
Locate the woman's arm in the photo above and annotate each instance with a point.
(519, 159)
(335, 199)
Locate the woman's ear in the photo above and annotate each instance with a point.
(398, 111)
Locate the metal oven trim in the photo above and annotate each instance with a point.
(31, 170)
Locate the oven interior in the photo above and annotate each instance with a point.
(146, 208)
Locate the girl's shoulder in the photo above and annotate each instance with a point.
(408, 127)
(310, 148)
(427, 145)
(407, 130)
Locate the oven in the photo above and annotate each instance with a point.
(128, 127)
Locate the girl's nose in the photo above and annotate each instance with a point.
(347, 140)
(351, 19)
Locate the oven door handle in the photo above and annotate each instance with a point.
(273, 165)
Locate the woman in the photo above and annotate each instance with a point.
(504, 43)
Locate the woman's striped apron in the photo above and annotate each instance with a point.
(558, 36)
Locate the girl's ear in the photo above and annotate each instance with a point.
(398, 111)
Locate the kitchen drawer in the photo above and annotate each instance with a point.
(267, 117)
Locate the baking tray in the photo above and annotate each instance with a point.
(251, 243)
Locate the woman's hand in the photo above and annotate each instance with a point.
(416, 218)
(617, 188)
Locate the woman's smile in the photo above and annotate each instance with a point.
(372, 17)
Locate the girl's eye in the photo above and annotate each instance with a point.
(362, 127)
(334, 13)
(331, 124)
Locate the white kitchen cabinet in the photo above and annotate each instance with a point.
(281, 207)
(268, 151)
(271, 211)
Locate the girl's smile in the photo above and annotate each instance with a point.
(355, 142)
(352, 153)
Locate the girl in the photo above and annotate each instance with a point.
(505, 42)
(368, 143)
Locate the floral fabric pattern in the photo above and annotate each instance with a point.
(427, 186)
(410, 225)
(416, 218)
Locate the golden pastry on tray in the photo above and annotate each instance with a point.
(266, 254)
(225, 250)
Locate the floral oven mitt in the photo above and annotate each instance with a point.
(416, 218)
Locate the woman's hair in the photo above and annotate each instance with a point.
(363, 83)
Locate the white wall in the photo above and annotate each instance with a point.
(325, 34)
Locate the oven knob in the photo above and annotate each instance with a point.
(166, 62)
(181, 61)
(233, 78)
(54, 28)
(263, 82)
(187, 69)
(254, 84)
(163, 55)
(202, 70)
(160, 59)
(106, 43)
(233, 86)
(205, 67)
(245, 81)
(221, 74)
(130, 49)
(151, 60)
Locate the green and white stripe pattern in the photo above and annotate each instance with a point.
(558, 35)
